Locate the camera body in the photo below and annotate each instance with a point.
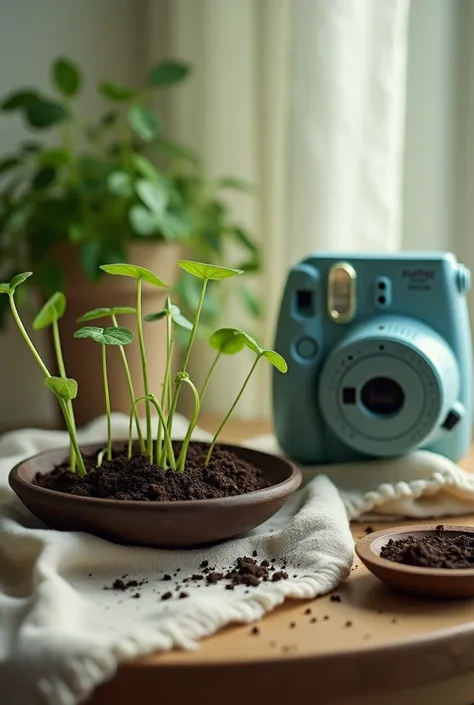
(379, 358)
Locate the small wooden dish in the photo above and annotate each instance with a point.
(428, 582)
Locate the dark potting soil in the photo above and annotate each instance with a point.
(437, 551)
(135, 479)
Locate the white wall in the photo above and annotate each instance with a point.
(103, 36)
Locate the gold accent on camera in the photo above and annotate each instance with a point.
(342, 293)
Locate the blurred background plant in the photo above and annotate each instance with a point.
(101, 186)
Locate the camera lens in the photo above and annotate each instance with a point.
(382, 396)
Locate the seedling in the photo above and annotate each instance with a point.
(273, 357)
(161, 422)
(49, 315)
(64, 389)
(225, 341)
(98, 313)
(205, 272)
(106, 336)
(140, 274)
(173, 316)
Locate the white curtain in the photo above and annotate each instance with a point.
(306, 98)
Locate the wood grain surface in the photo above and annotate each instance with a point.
(372, 647)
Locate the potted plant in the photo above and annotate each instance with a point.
(115, 190)
(148, 489)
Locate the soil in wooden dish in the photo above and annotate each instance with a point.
(437, 551)
(122, 478)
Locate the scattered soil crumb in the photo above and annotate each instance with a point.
(254, 631)
(167, 596)
(335, 598)
(308, 610)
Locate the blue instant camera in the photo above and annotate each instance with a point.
(379, 358)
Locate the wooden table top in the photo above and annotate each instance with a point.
(372, 646)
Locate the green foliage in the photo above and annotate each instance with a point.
(208, 271)
(225, 341)
(103, 185)
(106, 336)
(143, 122)
(115, 92)
(249, 342)
(9, 287)
(167, 72)
(66, 77)
(51, 312)
(65, 389)
(131, 270)
(96, 313)
(175, 314)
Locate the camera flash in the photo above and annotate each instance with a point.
(342, 292)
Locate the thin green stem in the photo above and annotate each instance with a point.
(191, 427)
(230, 412)
(192, 336)
(195, 326)
(167, 438)
(62, 372)
(26, 337)
(161, 416)
(81, 468)
(69, 425)
(165, 399)
(208, 376)
(107, 402)
(149, 439)
(131, 391)
(171, 413)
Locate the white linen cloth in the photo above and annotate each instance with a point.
(62, 634)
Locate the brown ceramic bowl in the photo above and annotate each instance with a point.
(428, 582)
(158, 524)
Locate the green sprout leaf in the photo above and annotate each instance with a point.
(142, 221)
(4, 288)
(19, 279)
(42, 113)
(96, 313)
(52, 311)
(132, 270)
(208, 271)
(120, 184)
(144, 167)
(152, 196)
(176, 316)
(106, 336)
(249, 342)
(115, 92)
(143, 122)
(276, 360)
(19, 100)
(225, 341)
(167, 73)
(63, 388)
(66, 77)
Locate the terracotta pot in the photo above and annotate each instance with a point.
(83, 357)
(158, 524)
